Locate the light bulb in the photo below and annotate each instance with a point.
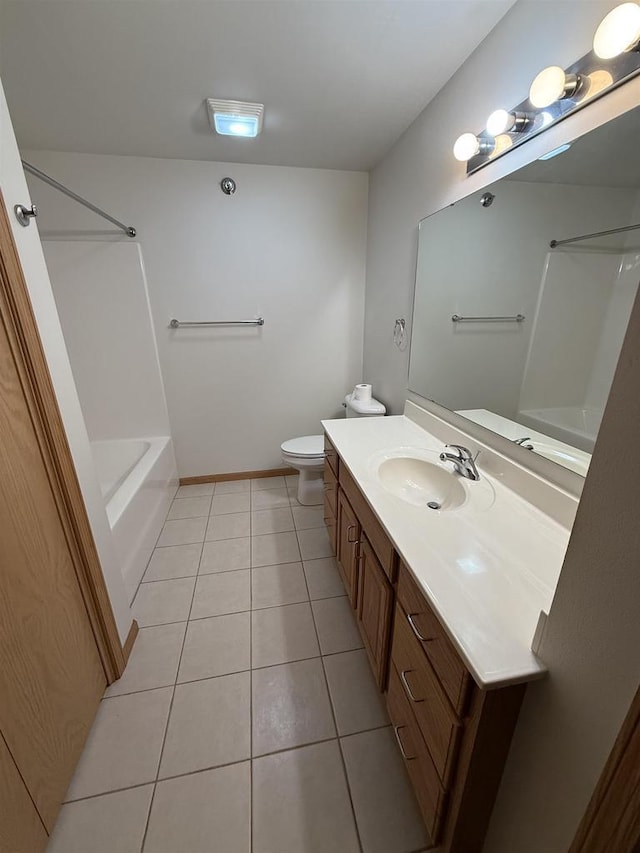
(618, 32)
(466, 147)
(552, 84)
(502, 121)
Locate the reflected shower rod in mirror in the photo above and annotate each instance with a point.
(178, 324)
(555, 243)
(515, 318)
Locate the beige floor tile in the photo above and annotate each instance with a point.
(227, 555)
(384, 803)
(357, 702)
(195, 491)
(189, 507)
(290, 706)
(274, 549)
(269, 499)
(153, 661)
(176, 561)
(271, 521)
(124, 744)
(282, 635)
(292, 480)
(336, 625)
(301, 803)
(216, 646)
(209, 725)
(183, 531)
(224, 592)
(323, 578)
(233, 525)
(314, 544)
(111, 823)
(259, 484)
(159, 602)
(232, 487)
(234, 502)
(273, 586)
(306, 517)
(202, 813)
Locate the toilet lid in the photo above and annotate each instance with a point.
(307, 445)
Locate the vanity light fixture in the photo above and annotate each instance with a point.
(235, 118)
(618, 32)
(503, 121)
(468, 145)
(553, 84)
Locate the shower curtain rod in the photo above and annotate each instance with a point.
(129, 230)
(555, 243)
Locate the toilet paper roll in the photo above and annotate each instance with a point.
(362, 392)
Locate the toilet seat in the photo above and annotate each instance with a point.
(305, 447)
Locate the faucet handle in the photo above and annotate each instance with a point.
(463, 452)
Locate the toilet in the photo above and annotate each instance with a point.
(306, 454)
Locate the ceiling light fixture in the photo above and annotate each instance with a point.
(553, 84)
(502, 121)
(618, 32)
(235, 118)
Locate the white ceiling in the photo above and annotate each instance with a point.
(341, 79)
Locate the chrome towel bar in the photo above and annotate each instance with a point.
(178, 324)
(517, 318)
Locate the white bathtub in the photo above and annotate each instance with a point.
(576, 426)
(138, 479)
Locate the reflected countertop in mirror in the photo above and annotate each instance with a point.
(521, 336)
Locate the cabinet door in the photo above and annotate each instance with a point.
(348, 545)
(375, 601)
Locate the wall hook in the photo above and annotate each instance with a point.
(24, 214)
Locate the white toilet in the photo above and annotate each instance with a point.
(306, 454)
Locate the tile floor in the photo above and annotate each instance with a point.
(247, 720)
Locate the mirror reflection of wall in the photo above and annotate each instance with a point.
(545, 378)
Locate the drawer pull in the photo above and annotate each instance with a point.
(396, 731)
(349, 539)
(416, 631)
(403, 678)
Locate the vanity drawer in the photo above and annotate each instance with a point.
(429, 792)
(330, 490)
(331, 455)
(438, 724)
(376, 535)
(430, 635)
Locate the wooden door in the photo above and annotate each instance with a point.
(348, 545)
(58, 639)
(21, 830)
(375, 601)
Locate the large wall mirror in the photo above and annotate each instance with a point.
(516, 335)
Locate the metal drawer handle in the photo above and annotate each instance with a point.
(349, 539)
(396, 731)
(403, 678)
(415, 629)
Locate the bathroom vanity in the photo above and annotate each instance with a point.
(447, 600)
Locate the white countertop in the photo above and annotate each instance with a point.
(486, 572)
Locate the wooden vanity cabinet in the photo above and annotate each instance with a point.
(375, 606)
(452, 735)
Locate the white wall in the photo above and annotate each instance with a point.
(569, 722)
(15, 191)
(289, 245)
(101, 296)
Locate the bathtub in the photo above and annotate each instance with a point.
(138, 479)
(576, 426)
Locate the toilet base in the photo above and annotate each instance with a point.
(310, 487)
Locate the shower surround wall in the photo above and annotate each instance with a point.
(289, 245)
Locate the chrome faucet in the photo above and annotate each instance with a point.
(463, 461)
(521, 442)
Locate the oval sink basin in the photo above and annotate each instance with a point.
(422, 483)
(416, 475)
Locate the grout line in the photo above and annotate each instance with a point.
(335, 724)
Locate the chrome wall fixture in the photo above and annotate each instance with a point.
(228, 186)
(516, 318)
(179, 324)
(556, 92)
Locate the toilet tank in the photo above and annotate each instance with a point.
(363, 408)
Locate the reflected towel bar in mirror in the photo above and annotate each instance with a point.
(178, 324)
(517, 318)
